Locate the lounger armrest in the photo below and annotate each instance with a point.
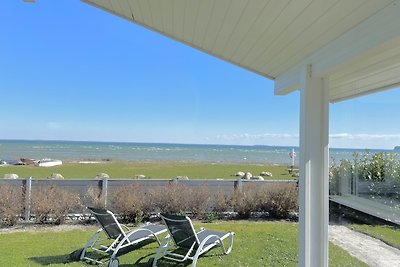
(126, 227)
(99, 231)
(203, 249)
(151, 233)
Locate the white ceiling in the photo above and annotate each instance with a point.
(275, 38)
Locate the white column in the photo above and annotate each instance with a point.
(314, 171)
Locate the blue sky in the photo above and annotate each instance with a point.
(73, 72)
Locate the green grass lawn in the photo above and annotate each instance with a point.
(256, 244)
(388, 234)
(166, 170)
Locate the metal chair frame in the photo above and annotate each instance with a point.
(169, 243)
(101, 238)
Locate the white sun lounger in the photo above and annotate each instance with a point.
(111, 237)
(182, 236)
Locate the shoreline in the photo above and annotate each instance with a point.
(166, 162)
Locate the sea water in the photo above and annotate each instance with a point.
(79, 150)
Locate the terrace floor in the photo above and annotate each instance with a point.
(370, 250)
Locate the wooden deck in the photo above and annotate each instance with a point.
(370, 207)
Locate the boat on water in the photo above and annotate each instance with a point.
(27, 161)
(49, 162)
(6, 162)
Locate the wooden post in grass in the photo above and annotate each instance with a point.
(104, 190)
(28, 191)
(238, 184)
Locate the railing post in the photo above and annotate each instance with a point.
(355, 182)
(28, 192)
(104, 190)
(345, 183)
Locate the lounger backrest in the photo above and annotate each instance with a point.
(181, 229)
(108, 222)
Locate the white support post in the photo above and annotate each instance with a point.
(314, 171)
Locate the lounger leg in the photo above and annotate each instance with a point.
(162, 248)
(90, 243)
(230, 244)
(220, 241)
(195, 260)
(116, 249)
(200, 250)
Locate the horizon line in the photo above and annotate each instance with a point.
(173, 143)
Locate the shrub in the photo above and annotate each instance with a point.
(171, 198)
(11, 204)
(221, 203)
(198, 201)
(245, 200)
(378, 167)
(370, 167)
(279, 200)
(127, 202)
(94, 197)
(133, 202)
(51, 204)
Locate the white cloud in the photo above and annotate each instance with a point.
(362, 140)
(349, 136)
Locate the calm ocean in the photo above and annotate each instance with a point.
(71, 150)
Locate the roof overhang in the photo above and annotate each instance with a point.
(355, 45)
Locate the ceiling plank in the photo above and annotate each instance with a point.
(217, 19)
(261, 24)
(167, 16)
(343, 26)
(299, 47)
(137, 12)
(156, 13)
(204, 13)
(178, 18)
(387, 78)
(191, 11)
(301, 23)
(249, 16)
(279, 25)
(372, 32)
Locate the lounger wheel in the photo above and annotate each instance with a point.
(113, 263)
(150, 262)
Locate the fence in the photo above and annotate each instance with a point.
(380, 199)
(350, 185)
(105, 186)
